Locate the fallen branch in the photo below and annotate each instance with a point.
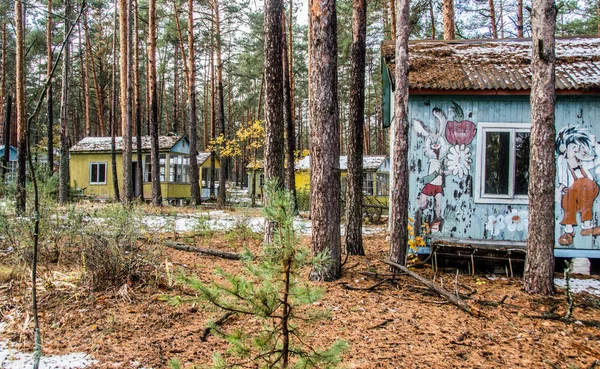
(349, 287)
(382, 324)
(461, 304)
(211, 252)
(219, 322)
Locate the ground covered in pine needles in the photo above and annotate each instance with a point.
(388, 322)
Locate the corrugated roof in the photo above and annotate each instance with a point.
(370, 162)
(496, 64)
(103, 143)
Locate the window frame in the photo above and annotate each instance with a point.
(385, 184)
(369, 183)
(511, 198)
(98, 172)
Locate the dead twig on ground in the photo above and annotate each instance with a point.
(218, 322)
(211, 252)
(349, 287)
(382, 324)
(460, 303)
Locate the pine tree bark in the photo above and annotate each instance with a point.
(290, 138)
(154, 154)
(139, 169)
(20, 104)
(113, 109)
(356, 120)
(399, 208)
(85, 85)
(176, 92)
(432, 19)
(493, 19)
(393, 18)
(520, 18)
(6, 138)
(193, 116)
(324, 134)
(274, 143)
(448, 14)
(212, 115)
(49, 97)
(221, 197)
(126, 59)
(63, 188)
(539, 263)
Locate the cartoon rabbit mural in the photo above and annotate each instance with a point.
(447, 152)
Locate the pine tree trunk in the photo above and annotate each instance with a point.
(432, 18)
(113, 110)
(139, 169)
(212, 117)
(324, 134)
(520, 18)
(193, 117)
(99, 91)
(448, 13)
(154, 154)
(221, 105)
(274, 144)
(392, 19)
(85, 85)
(6, 138)
(356, 120)
(493, 19)
(399, 208)
(126, 33)
(539, 263)
(290, 138)
(63, 188)
(49, 97)
(176, 92)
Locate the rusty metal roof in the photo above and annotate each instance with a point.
(497, 64)
(94, 144)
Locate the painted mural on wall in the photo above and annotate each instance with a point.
(577, 168)
(447, 150)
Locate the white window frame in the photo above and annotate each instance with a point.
(369, 177)
(105, 172)
(511, 198)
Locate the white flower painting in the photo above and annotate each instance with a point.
(517, 221)
(459, 160)
(495, 224)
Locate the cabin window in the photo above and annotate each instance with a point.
(383, 184)
(179, 169)
(368, 184)
(97, 173)
(148, 167)
(503, 165)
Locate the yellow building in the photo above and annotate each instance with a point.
(376, 176)
(91, 173)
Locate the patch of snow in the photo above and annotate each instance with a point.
(591, 286)
(13, 359)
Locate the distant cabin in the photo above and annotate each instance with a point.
(91, 171)
(376, 176)
(11, 170)
(469, 116)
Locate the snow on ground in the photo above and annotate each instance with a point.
(13, 359)
(219, 220)
(591, 286)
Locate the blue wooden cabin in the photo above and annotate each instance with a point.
(12, 161)
(469, 114)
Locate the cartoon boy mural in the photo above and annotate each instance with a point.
(448, 143)
(576, 150)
